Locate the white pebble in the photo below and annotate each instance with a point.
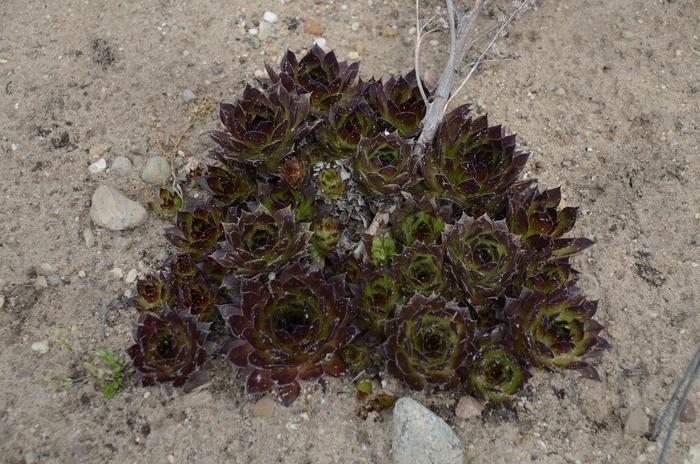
(252, 31)
(270, 17)
(321, 42)
(355, 26)
(117, 272)
(98, 166)
(14, 147)
(41, 347)
(131, 276)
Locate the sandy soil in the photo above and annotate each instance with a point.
(607, 94)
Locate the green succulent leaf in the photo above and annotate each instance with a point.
(419, 221)
(168, 205)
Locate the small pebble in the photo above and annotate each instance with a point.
(266, 31)
(146, 395)
(171, 459)
(627, 35)
(156, 171)
(321, 42)
(121, 165)
(688, 413)
(82, 273)
(467, 407)
(89, 238)
(270, 17)
(355, 26)
(694, 455)
(41, 347)
(252, 31)
(131, 276)
(559, 91)
(388, 31)
(14, 147)
(46, 269)
(353, 56)
(98, 166)
(637, 422)
(360, 48)
(264, 407)
(311, 26)
(99, 150)
(188, 96)
(30, 457)
(41, 282)
(117, 272)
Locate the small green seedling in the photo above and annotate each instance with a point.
(111, 374)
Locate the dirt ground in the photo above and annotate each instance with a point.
(607, 94)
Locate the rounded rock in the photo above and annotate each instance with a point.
(421, 437)
(112, 210)
(156, 171)
(270, 17)
(121, 165)
(188, 96)
(637, 422)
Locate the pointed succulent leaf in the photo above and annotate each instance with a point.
(277, 193)
(170, 349)
(290, 328)
(384, 165)
(483, 257)
(198, 297)
(429, 343)
(262, 242)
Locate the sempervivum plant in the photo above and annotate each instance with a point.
(328, 238)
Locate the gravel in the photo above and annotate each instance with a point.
(421, 437)
(112, 210)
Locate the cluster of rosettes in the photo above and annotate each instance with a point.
(323, 247)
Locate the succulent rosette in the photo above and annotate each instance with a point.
(470, 161)
(182, 267)
(330, 183)
(262, 127)
(198, 297)
(261, 242)
(429, 343)
(384, 165)
(226, 185)
(168, 205)
(551, 275)
(420, 221)
(277, 193)
(153, 292)
(557, 329)
(496, 373)
(318, 73)
(170, 349)
(196, 231)
(326, 233)
(483, 257)
(340, 133)
(377, 297)
(399, 103)
(422, 269)
(289, 329)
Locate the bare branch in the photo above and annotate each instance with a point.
(416, 56)
(478, 61)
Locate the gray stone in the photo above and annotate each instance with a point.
(41, 347)
(188, 96)
(121, 165)
(266, 31)
(270, 17)
(637, 423)
(112, 210)
(89, 238)
(421, 437)
(156, 171)
(694, 455)
(30, 457)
